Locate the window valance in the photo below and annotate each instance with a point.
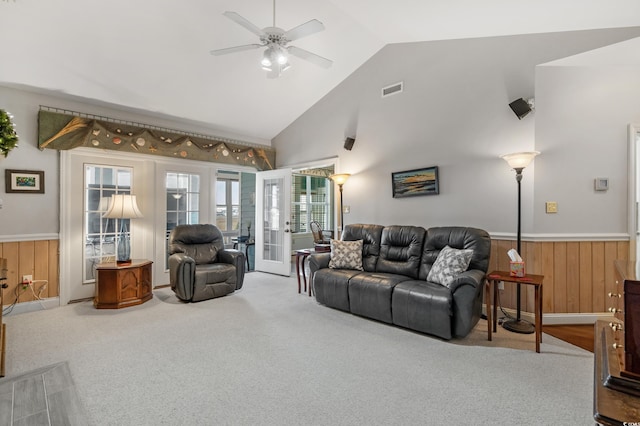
(65, 131)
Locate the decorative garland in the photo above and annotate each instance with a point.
(8, 135)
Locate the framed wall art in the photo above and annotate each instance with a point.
(416, 182)
(24, 181)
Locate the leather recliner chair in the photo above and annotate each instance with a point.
(200, 267)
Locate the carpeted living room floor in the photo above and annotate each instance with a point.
(268, 355)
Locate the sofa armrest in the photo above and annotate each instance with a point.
(319, 261)
(236, 258)
(473, 277)
(182, 271)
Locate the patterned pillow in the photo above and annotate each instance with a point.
(346, 255)
(449, 264)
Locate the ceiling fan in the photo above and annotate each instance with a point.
(275, 58)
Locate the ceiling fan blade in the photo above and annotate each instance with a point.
(244, 22)
(311, 57)
(218, 52)
(303, 30)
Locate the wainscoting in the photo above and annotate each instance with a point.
(578, 275)
(36, 258)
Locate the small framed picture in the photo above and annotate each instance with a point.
(415, 182)
(24, 181)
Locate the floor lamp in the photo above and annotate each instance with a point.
(340, 179)
(518, 161)
(123, 206)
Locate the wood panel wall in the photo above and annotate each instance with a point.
(577, 275)
(37, 258)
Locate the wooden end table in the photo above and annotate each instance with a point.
(492, 285)
(120, 286)
(301, 256)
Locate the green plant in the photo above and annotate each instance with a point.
(8, 135)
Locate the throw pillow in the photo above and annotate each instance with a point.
(346, 255)
(449, 263)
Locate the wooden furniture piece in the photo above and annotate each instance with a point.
(119, 286)
(492, 317)
(611, 406)
(3, 326)
(301, 256)
(247, 242)
(625, 307)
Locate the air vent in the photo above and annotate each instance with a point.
(392, 90)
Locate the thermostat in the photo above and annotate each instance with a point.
(601, 184)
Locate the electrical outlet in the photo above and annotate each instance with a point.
(501, 285)
(27, 279)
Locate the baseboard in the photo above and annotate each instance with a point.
(33, 306)
(557, 318)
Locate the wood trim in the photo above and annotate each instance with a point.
(578, 275)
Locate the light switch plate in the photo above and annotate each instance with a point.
(601, 184)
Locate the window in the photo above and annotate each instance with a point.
(183, 202)
(100, 183)
(228, 204)
(310, 201)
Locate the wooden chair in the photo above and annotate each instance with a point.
(319, 236)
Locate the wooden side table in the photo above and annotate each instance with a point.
(301, 255)
(493, 279)
(120, 286)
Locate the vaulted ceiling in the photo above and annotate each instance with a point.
(153, 55)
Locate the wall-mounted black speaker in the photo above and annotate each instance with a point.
(348, 143)
(520, 108)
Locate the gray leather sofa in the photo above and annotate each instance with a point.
(200, 267)
(393, 286)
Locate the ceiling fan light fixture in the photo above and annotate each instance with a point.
(266, 59)
(282, 57)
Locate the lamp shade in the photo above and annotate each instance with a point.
(519, 160)
(340, 178)
(123, 206)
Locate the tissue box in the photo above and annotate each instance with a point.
(516, 269)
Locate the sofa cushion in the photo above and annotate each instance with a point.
(423, 306)
(457, 237)
(331, 287)
(346, 255)
(401, 250)
(370, 236)
(450, 263)
(370, 294)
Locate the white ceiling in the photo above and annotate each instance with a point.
(153, 55)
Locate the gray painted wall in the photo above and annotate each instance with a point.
(454, 114)
(583, 117)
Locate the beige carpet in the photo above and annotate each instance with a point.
(267, 355)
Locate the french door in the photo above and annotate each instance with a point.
(87, 181)
(182, 198)
(273, 221)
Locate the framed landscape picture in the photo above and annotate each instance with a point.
(24, 181)
(411, 183)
